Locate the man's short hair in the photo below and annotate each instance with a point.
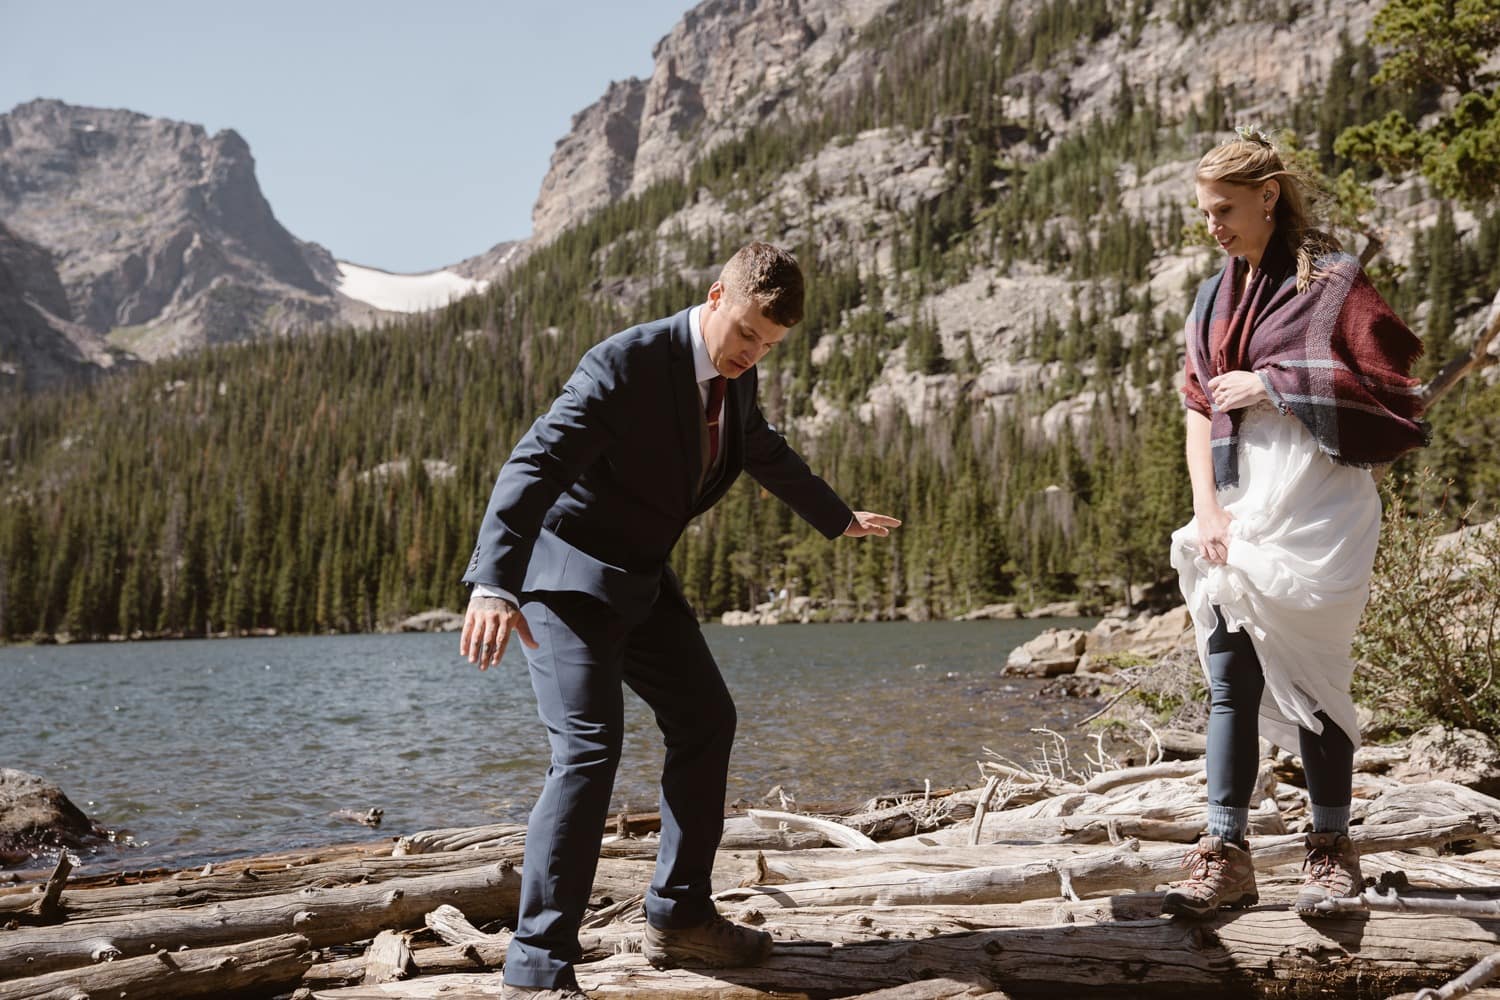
(770, 277)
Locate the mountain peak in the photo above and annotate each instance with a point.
(162, 237)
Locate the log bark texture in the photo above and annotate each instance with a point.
(324, 916)
(1234, 955)
(1113, 871)
(616, 877)
(267, 963)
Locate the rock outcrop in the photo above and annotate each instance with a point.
(726, 66)
(730, 65)
(39, 347)
(160, 234)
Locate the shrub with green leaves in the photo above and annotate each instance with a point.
(1428, 646)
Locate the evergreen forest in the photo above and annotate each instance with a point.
(334, 481)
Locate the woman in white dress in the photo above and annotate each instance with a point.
(1297, 384)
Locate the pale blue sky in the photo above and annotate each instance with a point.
(404, 136)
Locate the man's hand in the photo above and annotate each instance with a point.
(1235, 390)
(865, 523)
(487, 627)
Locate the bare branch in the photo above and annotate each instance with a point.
(1476, 358)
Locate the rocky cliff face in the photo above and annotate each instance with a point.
(727, 65)
(160, 234)
(732, 64)
(38, 347)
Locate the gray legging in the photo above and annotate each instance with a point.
(1235, 686)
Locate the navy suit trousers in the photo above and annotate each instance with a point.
(585, 654)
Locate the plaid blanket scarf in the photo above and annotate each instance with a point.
(1334, 356)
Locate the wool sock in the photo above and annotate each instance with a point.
(1230, 822)
(1329, 819)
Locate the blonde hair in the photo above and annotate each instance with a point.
(1250, 160)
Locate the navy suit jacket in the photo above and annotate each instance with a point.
(600, 488)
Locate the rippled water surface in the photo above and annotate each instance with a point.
(208, 749)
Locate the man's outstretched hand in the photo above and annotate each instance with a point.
(866, 523)
(487, 627)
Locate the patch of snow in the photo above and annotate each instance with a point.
(407, 293)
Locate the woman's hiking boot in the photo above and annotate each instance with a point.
(1220, 873)
(1332, 867)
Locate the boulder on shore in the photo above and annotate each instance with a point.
(1055, 651)
(1001, 612)
(1058, 609)
(440, 620)
(35, 815)
(1147, 636)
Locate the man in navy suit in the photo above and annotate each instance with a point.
(650, 431)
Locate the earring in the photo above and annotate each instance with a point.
(1268, 216)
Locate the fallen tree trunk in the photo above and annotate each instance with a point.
(184, 889)
(460, 838)
(615, 877)
(834, 832)
(323, 916)
(1112, 871)
(855, 924)
(998, 828)
(935, 989)
(779, 867)
(477, 957)
(1109, 780)
(1257, 952)
(209, 972)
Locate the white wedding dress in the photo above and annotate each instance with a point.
(1302, 544)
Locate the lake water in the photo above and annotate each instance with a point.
(217, 748)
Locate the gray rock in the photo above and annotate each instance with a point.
(38, 346)
(992, 611)
(1147, 635)
(439, 620)
(726, 66)
(1055, 651)
(35, 815)
(1057, 609)
(1462, 756)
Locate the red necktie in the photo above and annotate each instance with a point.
(716, 387)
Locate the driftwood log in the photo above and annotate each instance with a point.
(248, 882)
(1232, 955)
(1085, 874)
(617, 877)
(833, 832)
(740, 831)
(389, 958)
(1059, 896)
(209, 972)
(780, 867)
(323, 916)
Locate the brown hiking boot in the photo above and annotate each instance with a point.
(718, 944)
(1221, 874)
(542, 993)
(1332, 867)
